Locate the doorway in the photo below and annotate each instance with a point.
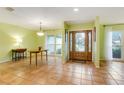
(80, 45)
(54, 44)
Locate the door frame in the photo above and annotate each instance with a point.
(86, 42)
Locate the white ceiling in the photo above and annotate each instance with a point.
(53, 17)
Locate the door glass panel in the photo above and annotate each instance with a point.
(80, 41)
(50, 39)
(54, 44)
(59, 39)
(89, 36)
(116, 52)
(51, 50)
(58, 44)
(58, 49)
(116, 45)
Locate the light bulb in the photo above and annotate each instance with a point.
(40, 33)
(76, 9)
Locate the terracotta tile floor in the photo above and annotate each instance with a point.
(53, 72)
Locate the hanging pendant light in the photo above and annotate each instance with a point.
(40, 33)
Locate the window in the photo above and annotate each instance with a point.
(50, 39)
(58, 44)
(50, 44)
(54, 44)
(116, 45)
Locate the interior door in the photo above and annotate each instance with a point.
(80, 45)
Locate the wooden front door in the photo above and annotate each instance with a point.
(80, 45)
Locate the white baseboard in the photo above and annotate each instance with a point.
(3, 61)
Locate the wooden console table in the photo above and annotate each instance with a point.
(36, 52)
(18, 53)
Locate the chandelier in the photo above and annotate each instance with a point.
(40, 33)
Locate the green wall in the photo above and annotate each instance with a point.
(96, 45)
(118, 27)
(81, 26)
(8, 40)
(102, 42)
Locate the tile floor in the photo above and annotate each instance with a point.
(53, 72)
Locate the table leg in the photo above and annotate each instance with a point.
(30, 58)
(23, 55)
(26, 54)
(16, 56)
(19, 55)
(36, 59)
(41, 55)
(46, 56)
(12, 56)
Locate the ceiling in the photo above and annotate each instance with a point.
(54, 17)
